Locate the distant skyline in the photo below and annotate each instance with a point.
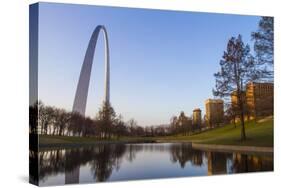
(162, 62)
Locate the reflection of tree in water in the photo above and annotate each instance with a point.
(197, 158)
(106, 158)
(183, 153)
(103, 163)
(217, 163)
(250, 163)
(33, 167)
(131, 152)
(132, 149)
(103, 158)
(51, 163)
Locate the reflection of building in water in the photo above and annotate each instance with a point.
(196, 117)
(197, 158)
(216, 163)
(214, 112)
(251, 163)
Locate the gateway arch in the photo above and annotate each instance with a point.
(81, 95)
(80, 100)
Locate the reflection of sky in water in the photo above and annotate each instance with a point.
(147, 165)
(57, 179)
(148, 161)
(154, 165)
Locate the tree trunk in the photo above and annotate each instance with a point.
(243, 134)
(255, 117)
(234, 121)
(241, 107)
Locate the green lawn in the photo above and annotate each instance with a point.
(54, 140)
(259, 134)
(49, 139)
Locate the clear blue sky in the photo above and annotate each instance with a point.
(162, 62)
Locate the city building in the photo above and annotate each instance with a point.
(196, 117)
(257, 100)
(214, 112)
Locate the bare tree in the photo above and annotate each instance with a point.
(174, 124)
(132, 125)
(46, 116)
(264, 47)
(106, 116)
(237, 69)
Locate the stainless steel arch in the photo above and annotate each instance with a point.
(81, 95)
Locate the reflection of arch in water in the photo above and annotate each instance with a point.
(81, 95)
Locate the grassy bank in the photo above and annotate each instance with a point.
(259, 134)
(48, 140)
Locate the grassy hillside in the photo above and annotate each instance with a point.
(259, 134)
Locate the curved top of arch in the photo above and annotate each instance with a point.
(80, 100)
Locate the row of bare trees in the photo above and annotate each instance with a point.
(183, 125)
(50, 120)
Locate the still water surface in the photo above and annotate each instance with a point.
(116, 162)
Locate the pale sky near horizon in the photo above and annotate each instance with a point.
(162, 62)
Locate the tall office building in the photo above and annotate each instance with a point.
(259, 97)
(214, 112)
(196, 117)
(257, 100)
